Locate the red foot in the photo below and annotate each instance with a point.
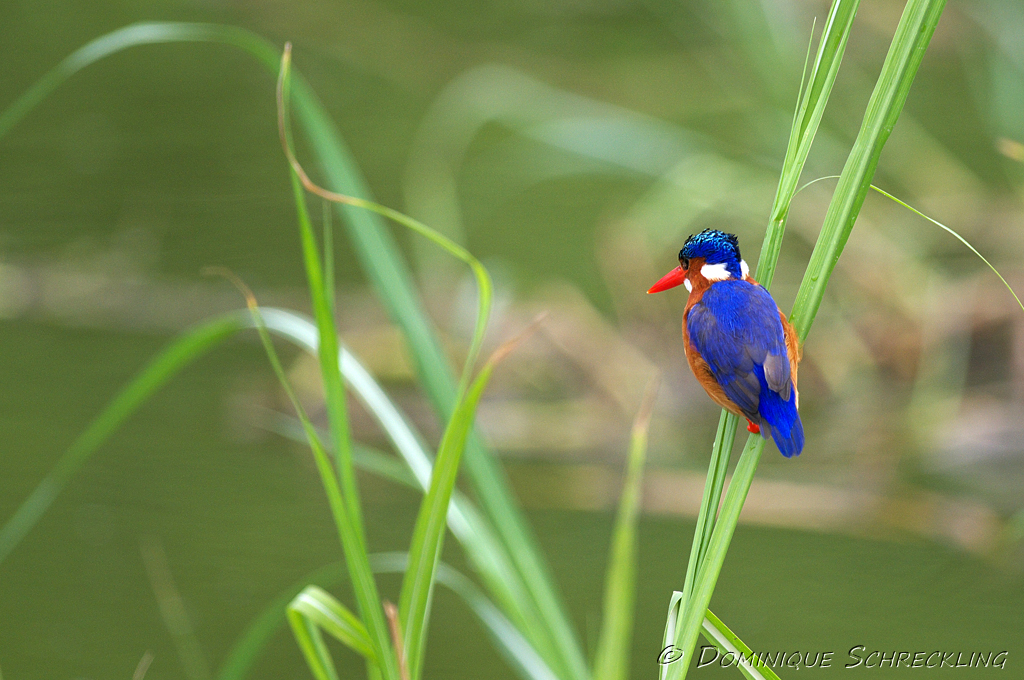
(752, 428)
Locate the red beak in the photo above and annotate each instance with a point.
(671, 280)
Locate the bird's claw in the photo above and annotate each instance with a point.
(753, 428)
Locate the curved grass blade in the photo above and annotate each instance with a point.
(483, 280)
(955, 235)
(182, 351)
(254, 637)
(314, 612)
(310, 640)
(323, 311)
(507, 638)
(718, 634)
(942, 226)
(428, 534)
(147, 33)
(611, 661)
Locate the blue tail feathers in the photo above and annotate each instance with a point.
(779, 418)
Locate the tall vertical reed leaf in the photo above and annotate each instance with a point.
(810, 106)
(914, 32)
(322, 297)
(352, 534)
(382, 661)
(611, 662)
(815, 89)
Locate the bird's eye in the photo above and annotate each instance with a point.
(684, 262)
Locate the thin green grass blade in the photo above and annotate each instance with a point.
(955, 235)
(388, 273)
(811, 101)
(483, 279)
(173, 611)
(321, 610)
(182, 351)
(670, 653)
(811, 104)
(751, 666)
(323, 311)
(920, 17)
(508, 639)
(717, 634)
(311, 642)
(707, 575)
(942, 226)
(328, 228)
(484, 550)
(334, 397)
(147, 33)
(912, 36)
(611, 662)
(428, 534)
(356, 558)
(721, 451)
(365, 458)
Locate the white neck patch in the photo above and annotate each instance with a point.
(689, 286)
(715, 272)
(744, 269)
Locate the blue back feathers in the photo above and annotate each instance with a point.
(716, 247)
(736, 329)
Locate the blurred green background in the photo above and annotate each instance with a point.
(572, 145)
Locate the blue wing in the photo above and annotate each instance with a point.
(736, 329)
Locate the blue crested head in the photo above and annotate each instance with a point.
(715, 247)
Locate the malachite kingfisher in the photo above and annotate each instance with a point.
(738, 342)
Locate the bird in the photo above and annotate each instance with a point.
(737, 341)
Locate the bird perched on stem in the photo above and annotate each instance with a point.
(737, 341)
